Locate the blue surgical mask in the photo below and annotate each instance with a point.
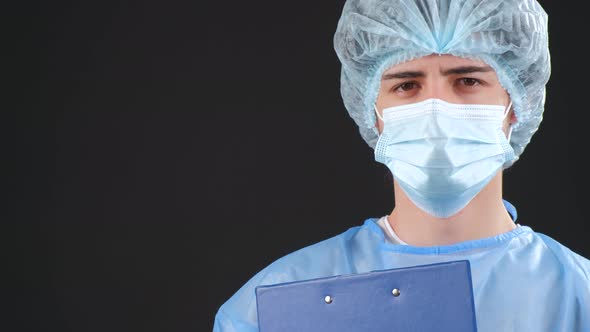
(443, 154)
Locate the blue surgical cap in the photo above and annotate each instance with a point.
(509, 35)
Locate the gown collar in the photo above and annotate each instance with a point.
(483, 243)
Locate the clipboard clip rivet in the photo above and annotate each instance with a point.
(328, 299)
(395, 292)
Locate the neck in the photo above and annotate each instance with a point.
(484, 216)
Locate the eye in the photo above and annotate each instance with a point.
(404, 87)
(469, 81)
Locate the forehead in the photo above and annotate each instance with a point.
(435, 62)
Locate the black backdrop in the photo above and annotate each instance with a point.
(168, 150)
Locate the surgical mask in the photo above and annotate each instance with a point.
(443, 154)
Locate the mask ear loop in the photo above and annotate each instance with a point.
(377, 112)
(506, 112)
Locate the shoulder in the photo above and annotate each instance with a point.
(573, 264)
(333, 256)
(575, 280)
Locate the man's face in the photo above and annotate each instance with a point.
(447, 77)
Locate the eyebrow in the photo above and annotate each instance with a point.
(452, 71)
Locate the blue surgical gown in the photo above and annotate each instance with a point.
(522, 280)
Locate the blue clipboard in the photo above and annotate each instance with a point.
(435, 297)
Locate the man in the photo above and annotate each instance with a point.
(456, 80)
(449, 93)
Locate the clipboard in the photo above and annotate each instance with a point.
(434, 297)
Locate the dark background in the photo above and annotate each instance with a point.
(166, 151)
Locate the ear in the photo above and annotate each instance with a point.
(512, 115)
(377, 125)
